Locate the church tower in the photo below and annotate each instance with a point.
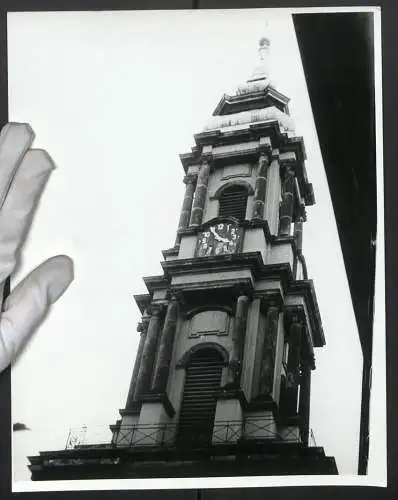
(221, 382)
(228, 331)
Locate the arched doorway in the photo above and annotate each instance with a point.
(198, 407)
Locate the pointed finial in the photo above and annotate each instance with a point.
(261, 71)
(264, 43)
(260, 78)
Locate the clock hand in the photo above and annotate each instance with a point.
(215, 234)
(218, 237)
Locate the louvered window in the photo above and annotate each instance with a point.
(233, 202)
(202, 384)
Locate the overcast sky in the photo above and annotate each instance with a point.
(114, 98)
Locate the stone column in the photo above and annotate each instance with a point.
(148, 353)
(162, 364)
(304, 404)
(142, 328)
(190, 181)
(273, 193)
(261, 186)
(200, 193)
(238, 339)
(293, 368)
(267, 370)
(286, 208)
(298, 234)
(298, 237)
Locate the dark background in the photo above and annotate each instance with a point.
(337, 57)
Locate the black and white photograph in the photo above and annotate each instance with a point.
(209, 337)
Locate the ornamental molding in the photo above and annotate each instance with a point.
(184, 360)
(245, 286)
(249, 117)
(228, 184)
(305, 288)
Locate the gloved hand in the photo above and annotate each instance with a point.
(23, 175)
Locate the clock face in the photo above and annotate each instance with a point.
(220, 239)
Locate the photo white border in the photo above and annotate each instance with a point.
(377, 474)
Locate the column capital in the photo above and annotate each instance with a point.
(190, 178)
(275, 154)
(301, 213)
(206, 158)
(273, 299)
(265, 144)
(243, 296)
(264, 155)
(156, 309)
(142, 326)
(294, 314)
(241, 290)
(288, 171)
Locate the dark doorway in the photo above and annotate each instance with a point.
(202, 384)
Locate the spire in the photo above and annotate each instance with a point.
(260, 76)
(262, 70)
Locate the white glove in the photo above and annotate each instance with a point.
(23, 175)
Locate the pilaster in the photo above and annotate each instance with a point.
(261, 185)
(238, 339)
(267, 371)
(289, 397)
(163, 358)
(200, 192)
(249, 356)
(286, 207)
(273, 193)
(148, 352)
(190, 182)
(142, 328)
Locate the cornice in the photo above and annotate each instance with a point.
(254, 99)
(171, 252)
(306, 289)
(142, 301)
(231, 262)
(238, 286)
(155, 283)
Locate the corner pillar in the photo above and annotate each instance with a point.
(142, 328)
(190, 182)
(298, 234)
(200, 193)
(272, 196)
(289, 402)
(162, 364)
(148, 353)
(238, 339)
(267, 371)
(286, 208)
(261, 186)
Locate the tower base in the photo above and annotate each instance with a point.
(126, 463)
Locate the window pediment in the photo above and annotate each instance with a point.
(213, 322)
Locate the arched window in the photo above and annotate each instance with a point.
(198, 407)
(233, 202)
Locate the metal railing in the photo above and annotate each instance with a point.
(173, 435)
